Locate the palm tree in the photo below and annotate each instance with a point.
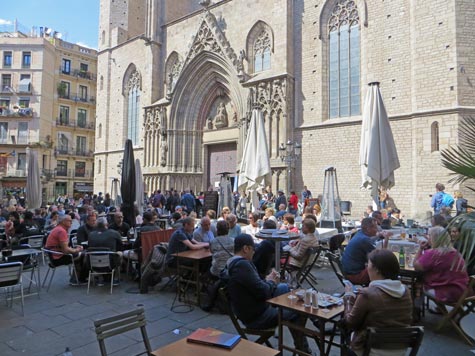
(460, 160)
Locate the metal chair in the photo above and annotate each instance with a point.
(464, 306)
(394, 339)
(335, 263)
(296, 273)
(264, 334)
(119, 324)
(101, 263)
(306, 273)
(10, 277)
(36, 242)
(30, 264)
(52, 267)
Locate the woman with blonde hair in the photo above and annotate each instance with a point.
(445, 274)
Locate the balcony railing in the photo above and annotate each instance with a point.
(21, 112)
(77, 73)
(64, 151)
(76, 97)
(73, 173)
(75, 124)
(16, 172)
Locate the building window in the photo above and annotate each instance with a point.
(6, 83)
(4, 104)
(262, 51)
(63, 143)
(64, 115)
(80, 169)
(82, 93)
(64, 90)
(22, 133)
(83, 70)
(3, 132)
(66, 66)
(101, 83)
(99, 167)
(62, 168)
(434, 136)
(26, 60)
(21, 163)
(7, 59)
(133, 107)
(25, 83)
(24, 102)
(60, 188)
(99, 131)
(81, 145)
(82, 117)
(344, 60)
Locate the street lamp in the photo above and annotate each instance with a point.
(289, 153)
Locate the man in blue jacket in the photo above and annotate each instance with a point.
(248, 292)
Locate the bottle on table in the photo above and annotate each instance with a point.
(402, 257)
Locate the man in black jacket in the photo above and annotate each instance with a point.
(248, 292)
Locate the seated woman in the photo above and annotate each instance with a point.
(288, 223)
(269, 214)
(386, 302)
(298, 248)
(445, 274)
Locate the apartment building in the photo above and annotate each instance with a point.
(46, 105)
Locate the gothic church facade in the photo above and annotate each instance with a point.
(179, 78)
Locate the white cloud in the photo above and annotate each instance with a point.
(82, 44)
(5, 22)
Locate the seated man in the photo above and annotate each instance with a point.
(356, 253)
(182, 240)
(204, 233)
(58, 240)
(248, 293)
(234, 227)
(298, 248)
(84, 231)
(119, 224)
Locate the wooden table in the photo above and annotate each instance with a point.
(414, 279)
(197, 258)
(242, 348)
(321, 315)
(277, 238)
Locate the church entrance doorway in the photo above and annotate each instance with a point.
(221, 158)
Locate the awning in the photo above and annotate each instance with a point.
(25, 86)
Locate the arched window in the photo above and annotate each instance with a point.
(132, 94)
(172, 70)
(99, 131)
(99, 167)
(434, 136)
(101, 83)
(260, 46)
(344, 60)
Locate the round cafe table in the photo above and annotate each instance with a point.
(277, 236)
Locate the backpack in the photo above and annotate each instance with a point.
(448, 200)
(154, 267)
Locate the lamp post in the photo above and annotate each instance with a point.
(290, 153)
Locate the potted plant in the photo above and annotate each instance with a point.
(460, 160)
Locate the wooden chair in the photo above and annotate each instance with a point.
(151, 238)
(10, 277)
(264, 334)
(401, 338)
(464, 306)
(119, 324)
(335, 263)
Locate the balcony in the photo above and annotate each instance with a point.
(16, 172)
(73, 173)
(77, 73)
(77, 98)
(65, 151)
(20, 112)
(75, 124)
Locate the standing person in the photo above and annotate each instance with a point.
(188, 201)
(293, 203)
(281, 199)
(460, 203)
(306, 195)
(436, 202)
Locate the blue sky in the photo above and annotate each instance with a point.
(77, 20)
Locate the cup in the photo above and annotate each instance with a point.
(314, 300)
(403, 234)
(410, 259)
(307, 302)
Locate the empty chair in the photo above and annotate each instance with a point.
(36, 242)
(101, 263)
(264, 334)
(30, 264)
(345, 206)
(401, 338)
(10, 277)
(120, 324)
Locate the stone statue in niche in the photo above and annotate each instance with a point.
(163, 151)
(221, 118)
(210, 123)
(235, 119)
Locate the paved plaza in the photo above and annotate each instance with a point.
(64, 316)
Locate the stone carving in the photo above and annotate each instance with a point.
(272, 95)
(135, 80)
(345, 12)
(221, 118)
(163, 150)
(210, 123)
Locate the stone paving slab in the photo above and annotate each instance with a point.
(64, 317)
